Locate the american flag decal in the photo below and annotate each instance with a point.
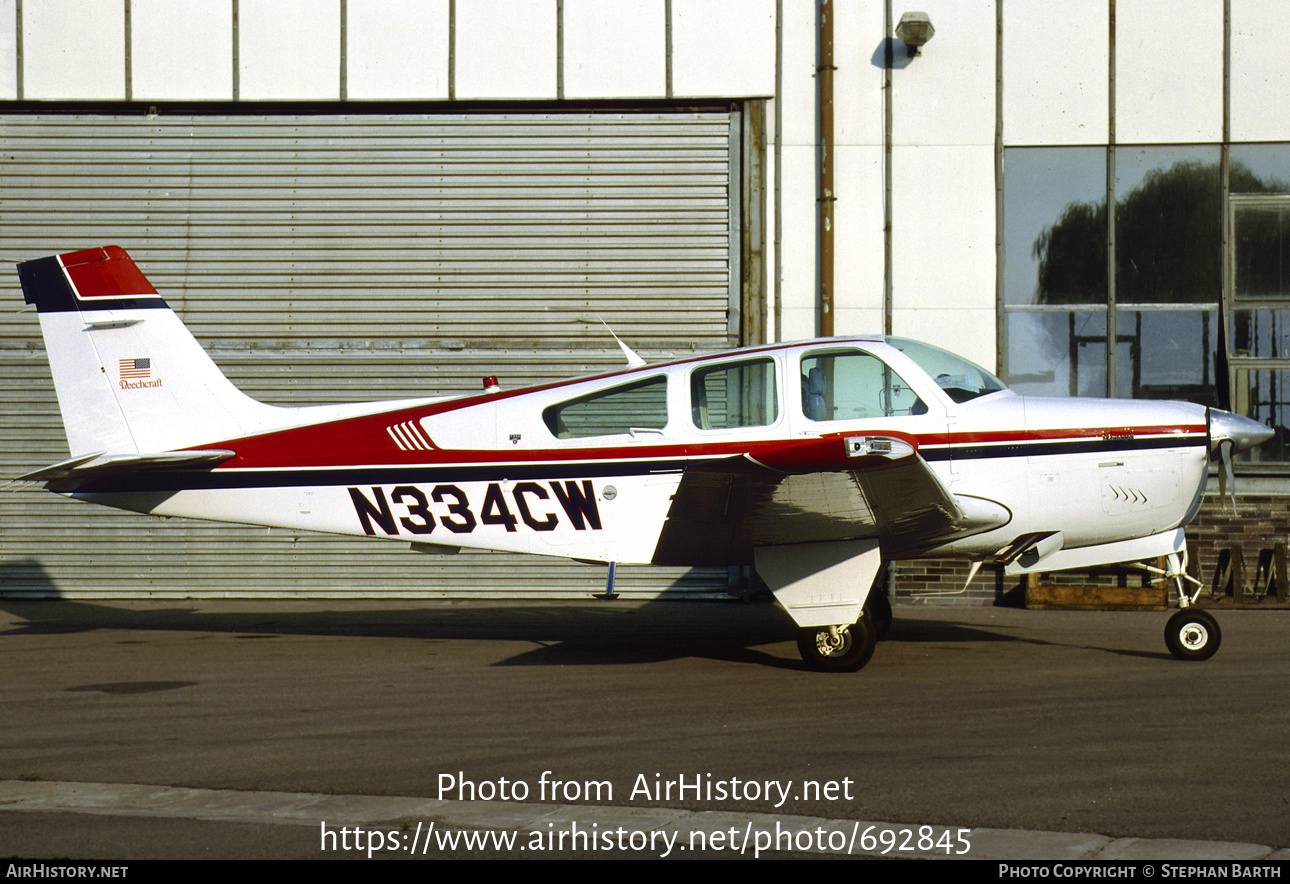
(136, 368)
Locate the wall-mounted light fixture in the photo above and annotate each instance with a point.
(914, 30)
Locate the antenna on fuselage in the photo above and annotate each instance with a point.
(633, 358)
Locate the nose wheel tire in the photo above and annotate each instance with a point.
(848, 652)
(1192, 634)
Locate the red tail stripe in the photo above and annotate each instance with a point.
(105, 273)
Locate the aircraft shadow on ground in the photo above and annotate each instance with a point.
(559, 634)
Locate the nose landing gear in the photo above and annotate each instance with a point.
(1190, 634)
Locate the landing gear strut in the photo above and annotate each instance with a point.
(1191, 634)
(838, 648)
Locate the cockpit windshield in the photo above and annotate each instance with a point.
(961, 380)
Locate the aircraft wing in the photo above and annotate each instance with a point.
(69, 473)
(724, 508)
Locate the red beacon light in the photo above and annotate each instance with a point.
(491, 385)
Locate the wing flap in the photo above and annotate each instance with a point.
(724, 509)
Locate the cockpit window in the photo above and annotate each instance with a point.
(639, 406)
(961, 380)
(850, 385)
(734, 394)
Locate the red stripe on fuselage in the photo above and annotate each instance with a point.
(363, 441)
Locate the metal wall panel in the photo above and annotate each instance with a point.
(1169, 72)
(348, 258)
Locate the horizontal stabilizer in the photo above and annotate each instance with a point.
(100, 465)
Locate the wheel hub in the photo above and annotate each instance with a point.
(1194, 636)
(832, 641)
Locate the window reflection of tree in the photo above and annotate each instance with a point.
(1168, 235)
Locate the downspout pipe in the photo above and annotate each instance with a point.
(826, 198)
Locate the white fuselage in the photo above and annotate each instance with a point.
(493, 472)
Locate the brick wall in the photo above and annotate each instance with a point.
(1259, 521)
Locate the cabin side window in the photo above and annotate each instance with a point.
(734, 394)
(620, 411)
(851, 385)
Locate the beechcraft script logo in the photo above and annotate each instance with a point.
(136, 374)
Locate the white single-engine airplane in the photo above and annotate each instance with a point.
(816, 461)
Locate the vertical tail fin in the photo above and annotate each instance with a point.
(130, 378)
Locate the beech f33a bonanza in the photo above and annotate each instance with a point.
(816, 461)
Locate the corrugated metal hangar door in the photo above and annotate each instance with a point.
(345, 258)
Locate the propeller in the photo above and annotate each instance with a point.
(1229, 434)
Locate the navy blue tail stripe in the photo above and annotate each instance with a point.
(45, 285)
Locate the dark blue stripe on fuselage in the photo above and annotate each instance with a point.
(1079, 446)
(171, 481)
(392, 475)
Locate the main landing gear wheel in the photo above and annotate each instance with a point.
(847, 650)
(1192, 634)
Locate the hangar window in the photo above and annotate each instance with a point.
(620, 411)
(1141, 323)
(738, 394)
(1127, 302)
